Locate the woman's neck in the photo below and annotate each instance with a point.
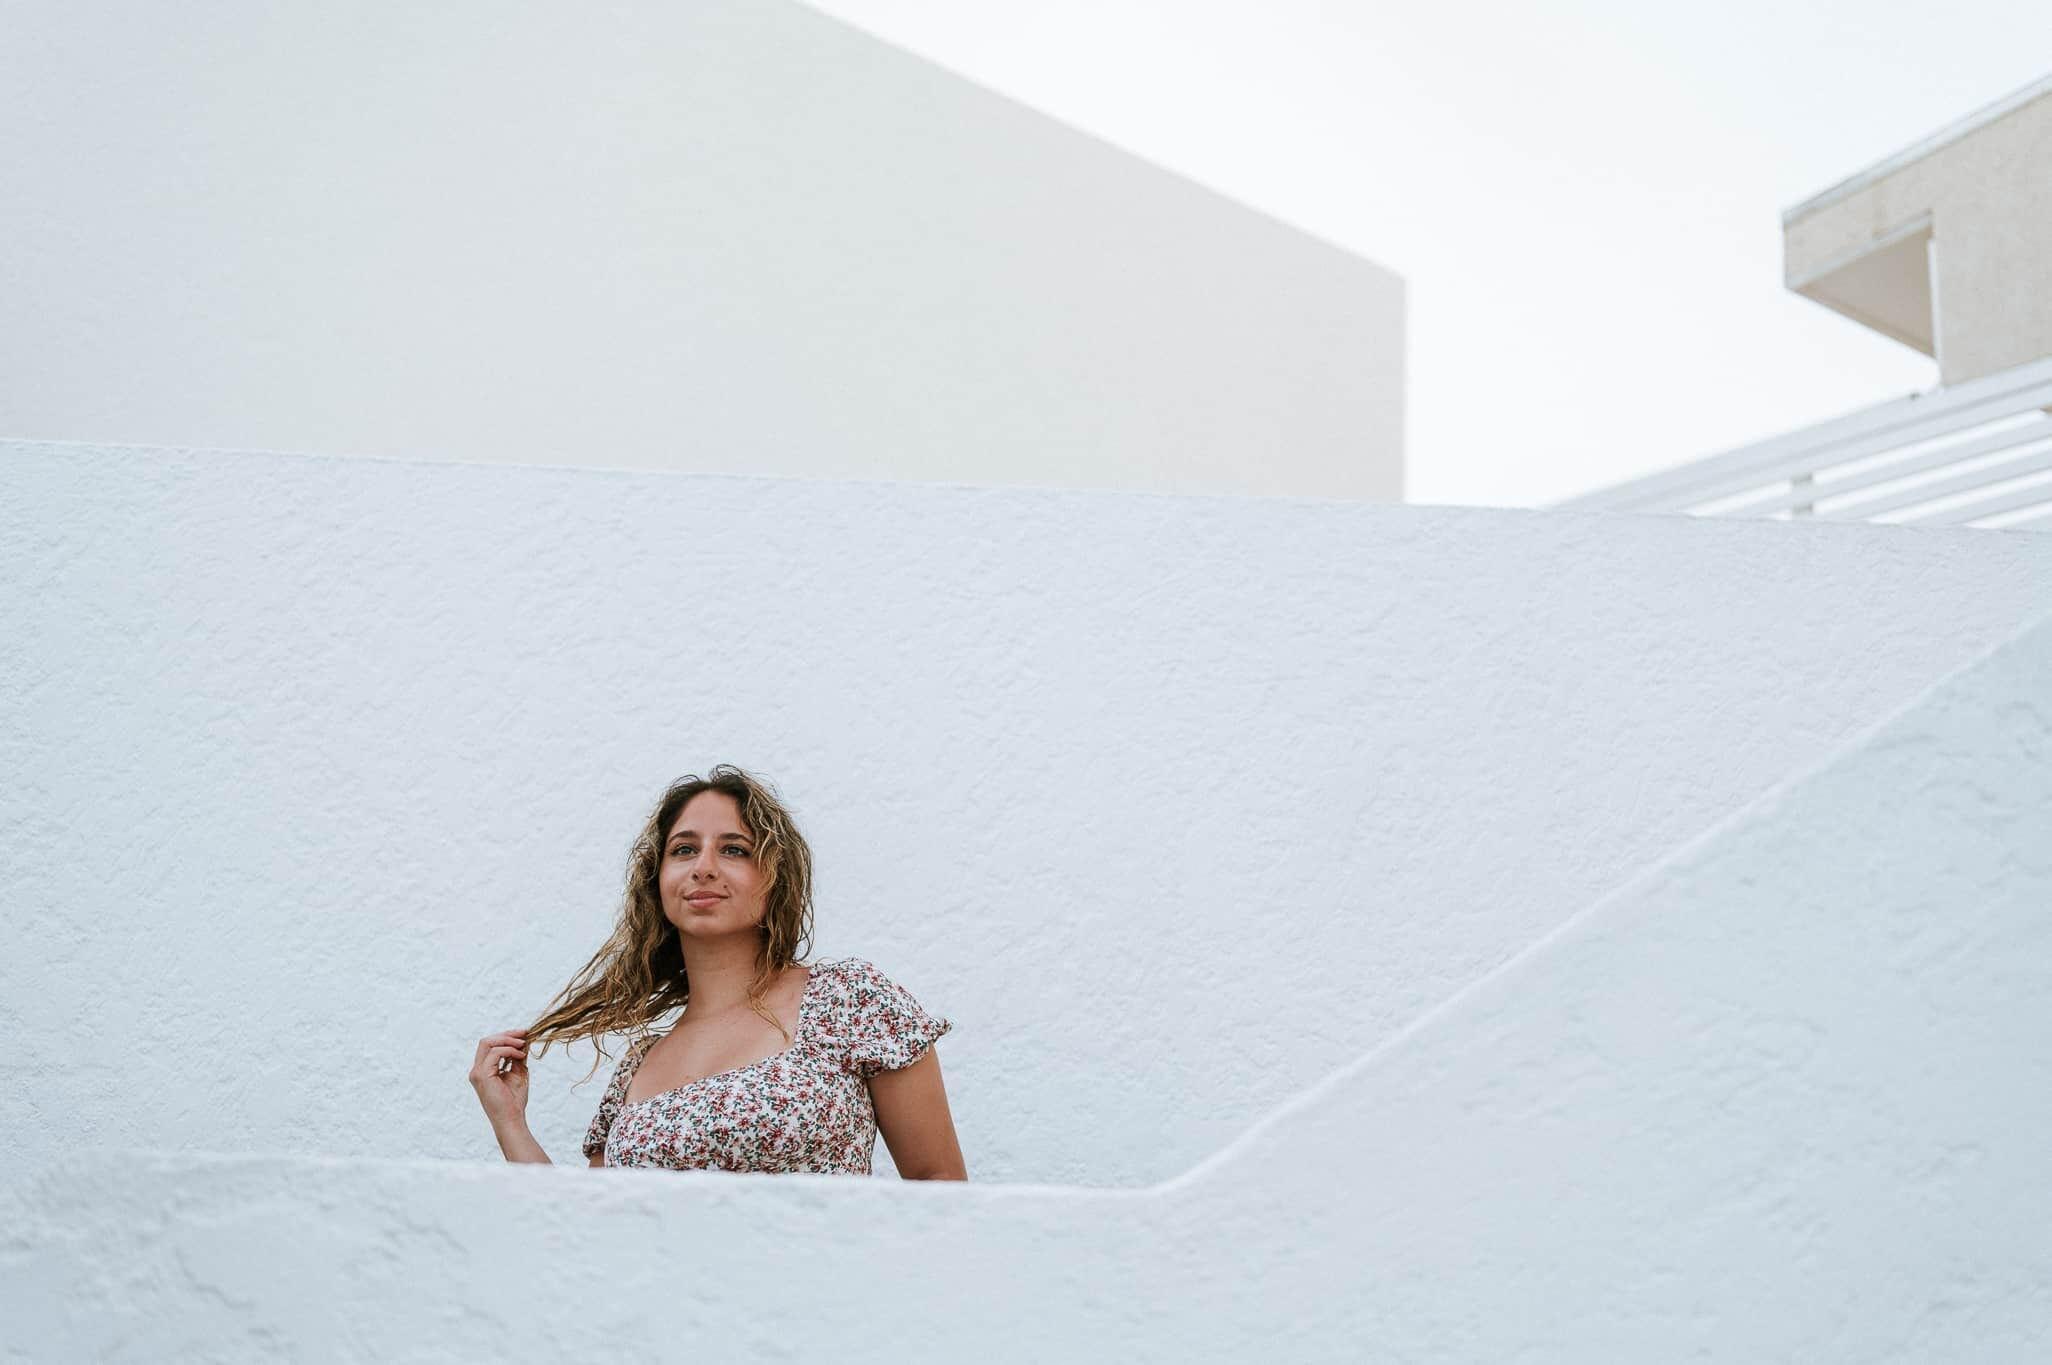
(720, 971)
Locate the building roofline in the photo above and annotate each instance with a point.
(1951, 133)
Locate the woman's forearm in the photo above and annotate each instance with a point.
(518, 1144)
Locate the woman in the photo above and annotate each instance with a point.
(774, 1065)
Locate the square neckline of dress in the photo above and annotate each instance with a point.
(797, 1041)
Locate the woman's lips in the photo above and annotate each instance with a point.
(704, 900)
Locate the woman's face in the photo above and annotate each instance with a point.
(710, 881)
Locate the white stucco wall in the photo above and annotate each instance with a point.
(1781, 1097)
(716, 235)
(320, 768)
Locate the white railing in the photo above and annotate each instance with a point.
(1974, 454)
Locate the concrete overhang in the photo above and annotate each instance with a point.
(1865, 247)
(1885, 284)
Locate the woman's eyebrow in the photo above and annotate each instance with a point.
(730, 834)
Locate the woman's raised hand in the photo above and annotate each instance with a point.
(499, 1075)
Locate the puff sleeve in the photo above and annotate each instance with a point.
(887, 1028)
(610, 1102)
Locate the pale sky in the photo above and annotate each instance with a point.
(1584, 198)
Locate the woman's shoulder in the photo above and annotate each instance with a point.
(873, 1020)
(858, 984)
(854, 974)
(637, 1047)
(842, 966)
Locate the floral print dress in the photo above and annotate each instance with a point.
(806, 1108)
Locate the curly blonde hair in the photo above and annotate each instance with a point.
(637, 976)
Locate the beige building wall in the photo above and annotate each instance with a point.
(1946, 247)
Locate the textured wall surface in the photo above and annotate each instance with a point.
(1783, 1096)
(715, 235)
(321, 768)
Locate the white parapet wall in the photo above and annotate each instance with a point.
(1781, 1096)
(710, 235)
(321, 768)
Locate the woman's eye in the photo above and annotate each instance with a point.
(736, 848)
